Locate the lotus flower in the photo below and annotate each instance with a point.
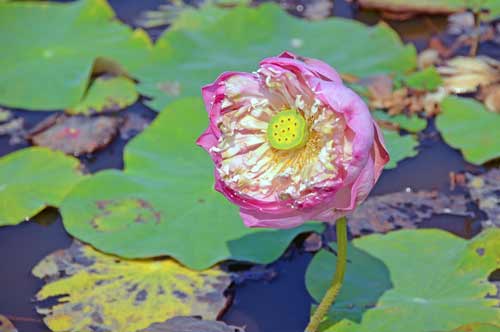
(291, 143)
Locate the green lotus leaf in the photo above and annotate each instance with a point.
(32, 179)
(466, 125)
(411, 281)
(399, 147)
(53, 48)
(164, 203)
(204, 43)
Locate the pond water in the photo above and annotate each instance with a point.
(277, 305)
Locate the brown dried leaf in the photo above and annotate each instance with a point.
(380, 214)
(490, 95)
(6, 325)
(485, 190)
(466, 74)
(318, 9)
(428, 58)
(191, 324)
(76, 135)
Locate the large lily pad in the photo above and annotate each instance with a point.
(411, 281)
(164, 203)
(204, 43)
(466, 125)
(48, 62)
(104, 293)
(33, 178)
(399, 147)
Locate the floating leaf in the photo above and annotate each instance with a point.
(105, 293)
(401, 121)
(204, 43)
(404, 209)
(164, 200)
(399, 147)
(484, 190)
(48, 62)
(76, 135)
(433, 6)
(427, 79)
(411, 281)
(6, 325)
(466, 125)
(107, 94)
(33, 178)
(191, 324)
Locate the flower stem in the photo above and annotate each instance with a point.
(336, 284)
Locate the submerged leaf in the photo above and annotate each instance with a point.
(484, 190)
(383, 213)
(191, 324)
(76, 135)
(32, 179)
(204, 43)
(164, 200)
(107, 94)
(411, 281)
(466, 125)
(106, 293)
(48, 62)
(6, 325)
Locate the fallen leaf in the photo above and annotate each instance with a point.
(490, 95)
(106, 94)
(411, 281)
(484, 189)
(191, 324)
(313, 242)
(406, 209)
(427, 58)
(432, 6)
(32, 179)
(133, 124)
(316, 10)
(99, 292)
(6, 325)
(467, 74)
(75, 135)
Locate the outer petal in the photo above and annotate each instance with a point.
(310, 68)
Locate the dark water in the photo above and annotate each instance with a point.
(279, 305)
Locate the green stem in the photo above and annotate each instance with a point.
(336, 284)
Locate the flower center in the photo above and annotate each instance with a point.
(287, 130)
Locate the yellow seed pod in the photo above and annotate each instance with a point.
(287, 130)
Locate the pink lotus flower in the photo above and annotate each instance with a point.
(291, 143)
